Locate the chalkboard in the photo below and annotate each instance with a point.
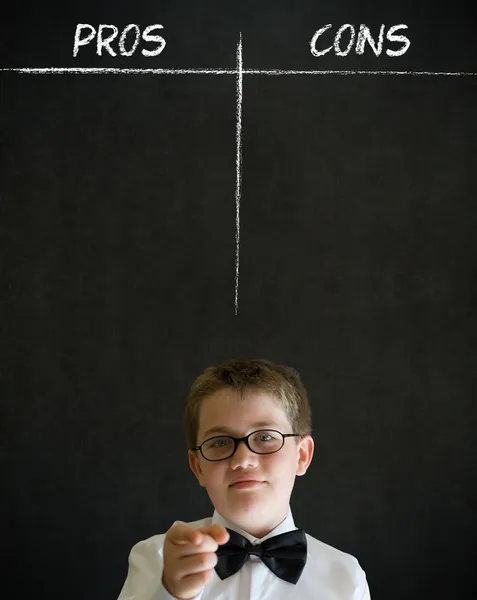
(284, 180)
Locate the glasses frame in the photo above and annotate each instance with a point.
(245, 439)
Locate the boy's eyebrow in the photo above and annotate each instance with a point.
(224, 429)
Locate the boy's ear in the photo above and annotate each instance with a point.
(194, 465)
(305, 454)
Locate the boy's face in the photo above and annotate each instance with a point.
(260, 509)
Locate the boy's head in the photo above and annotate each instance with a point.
(237, 398)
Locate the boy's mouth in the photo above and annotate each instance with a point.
(244, 478)
(245, 485)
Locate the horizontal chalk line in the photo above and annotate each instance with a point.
(119, 71)
(127, 71)
(338, 72)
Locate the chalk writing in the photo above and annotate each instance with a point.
(127, 43)
(348, 32)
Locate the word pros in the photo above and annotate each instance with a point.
(364, 35)
(130, 37)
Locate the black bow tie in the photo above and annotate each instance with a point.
(284, 554)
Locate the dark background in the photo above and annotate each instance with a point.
(357, 266)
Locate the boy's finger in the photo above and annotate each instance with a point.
(218, 532)
(183, 534)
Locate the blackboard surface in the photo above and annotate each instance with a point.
(122, 278)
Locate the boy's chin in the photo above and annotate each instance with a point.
(246, 500)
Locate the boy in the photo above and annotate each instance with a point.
(248, 428)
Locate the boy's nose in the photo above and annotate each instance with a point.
(243, 453)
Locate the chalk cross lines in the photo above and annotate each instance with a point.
(239, 73)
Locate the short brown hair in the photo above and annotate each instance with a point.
(280, 381)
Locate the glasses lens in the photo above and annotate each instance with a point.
(261, 442)
(265, 441)
(218, 448)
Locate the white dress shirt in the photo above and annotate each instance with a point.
(329, 574)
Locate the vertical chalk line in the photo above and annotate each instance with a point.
(238, 164)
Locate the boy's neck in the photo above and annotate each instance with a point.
(258, 533)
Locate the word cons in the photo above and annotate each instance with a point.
(346, 36)
(127, 42)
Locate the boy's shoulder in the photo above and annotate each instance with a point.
(325, 549)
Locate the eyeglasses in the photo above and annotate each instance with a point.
(263, 441)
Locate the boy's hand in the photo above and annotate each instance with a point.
(189, 558)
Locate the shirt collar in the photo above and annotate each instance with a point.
(286, 525)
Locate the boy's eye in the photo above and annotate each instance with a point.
(221, 442)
